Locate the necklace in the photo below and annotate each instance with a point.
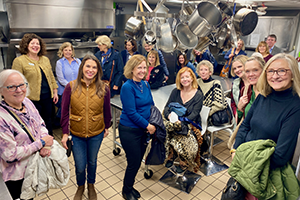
(140, 87)
(15, 108)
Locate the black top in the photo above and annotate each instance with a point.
(274, 117)
(193, 106)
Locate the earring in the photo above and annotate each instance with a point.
(292, 79)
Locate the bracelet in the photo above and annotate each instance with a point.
(232, 151)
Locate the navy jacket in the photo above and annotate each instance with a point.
(124, 55)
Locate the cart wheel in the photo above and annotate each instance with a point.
(148, 174)
(116, 151)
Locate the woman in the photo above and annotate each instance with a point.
(275, 113)
(134, 124)
(155, 75)
(211, 89)
(148, 47)
(253, 68)
(185, 146)
(238, 69)
(86, 117)
(38, 71)
(129, 51)
(111, 63)
(232, 53)
(66, 69)
(182, 61)
(204, 55)
(15, 144)
(263, 49)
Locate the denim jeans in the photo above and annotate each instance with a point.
(134, 143)
(85, 151)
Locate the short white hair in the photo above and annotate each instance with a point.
(4, 76)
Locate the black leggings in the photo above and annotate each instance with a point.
(15, 188)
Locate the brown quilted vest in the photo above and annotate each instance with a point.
(86, 111)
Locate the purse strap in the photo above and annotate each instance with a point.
(23, 126)
(112, 69)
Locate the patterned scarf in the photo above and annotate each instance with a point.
(105, 56)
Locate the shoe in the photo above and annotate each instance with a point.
(129, 196)
(179, 170)
(169, 164)
(92, 192)
(136, 193)
(79, 193)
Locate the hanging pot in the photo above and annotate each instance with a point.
(221, 36)
(245, 21)
(186, 38)
(203, 42)
(226, 11)
(134, 28)
(167, 43)
(204, 17)
(150, 37)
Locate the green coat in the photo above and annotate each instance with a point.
(251, 168)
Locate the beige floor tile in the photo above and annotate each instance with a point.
(147, 194)
(219, 184)
(156, 188)
(53, 191)
(175, 198)
(195, 191)
(118, 186)
(116, 197)
(105, 174)
(224, 179)
(208, 179)
(108, 193)
(204, 196)
(70, 190)
(115, 169)
(156, 198)
(59, 195)
(120, 175)
(173, 190)
(212, 190)
(109, 164)
(218, 197)
(185, 196)
(102, 185)
(166, 194)
(44, 197)
(112, 180)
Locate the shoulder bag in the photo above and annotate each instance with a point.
(233, 191)
(225, 70)
(107, 82)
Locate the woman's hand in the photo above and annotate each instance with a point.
(242, 103)
(55, 96)
(115, 87)
(45, 152)
(64, 141)
(232, 155)
(105, 133)
(48, 140)
(231, 55)
(151, 128)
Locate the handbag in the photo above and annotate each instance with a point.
(107, 82)
(221, 117)
(233, 190)
(225, 70)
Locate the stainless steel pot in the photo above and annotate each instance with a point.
(186, 38)
(203, 42)
(150, 37)
(221, 36)
(204, 17)
(226, 11)
(245, 21)
(167, 43)
(134, 28)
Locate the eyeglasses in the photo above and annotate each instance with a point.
(280, 72)
(13, 88)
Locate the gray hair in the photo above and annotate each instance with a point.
(4, 76)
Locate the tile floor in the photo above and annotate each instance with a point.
(110, 172)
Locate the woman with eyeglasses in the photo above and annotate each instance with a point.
(111, 63)
(15, 144)
(274, 115)
(38, 71)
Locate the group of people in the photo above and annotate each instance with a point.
(265, 102)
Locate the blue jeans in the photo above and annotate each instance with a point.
(134, 143)
(85, 151)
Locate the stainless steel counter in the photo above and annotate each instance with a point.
(4, 193)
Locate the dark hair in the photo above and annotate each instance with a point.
(273, 36)
(27, 39)
(100, 85)
(185, 59)
(133, 43)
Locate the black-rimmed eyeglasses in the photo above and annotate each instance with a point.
(280, 72)
(13, 88)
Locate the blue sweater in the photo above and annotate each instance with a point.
(274, 117)
(136, 105)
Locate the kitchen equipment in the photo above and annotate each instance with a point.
(226, 11)
(204, 18)
(186, 38)
(245, 21)
(203, 42)
(150, 37)
(167, 43)
(134, 28)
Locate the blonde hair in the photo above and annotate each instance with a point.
(242, 59)
(207, 64)
(263, 86)
(258, 59)
(60, 52)
(260, 44)
(103, 39)
(243, 47)
(155, 53)
(134, 61)
(178, 77)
